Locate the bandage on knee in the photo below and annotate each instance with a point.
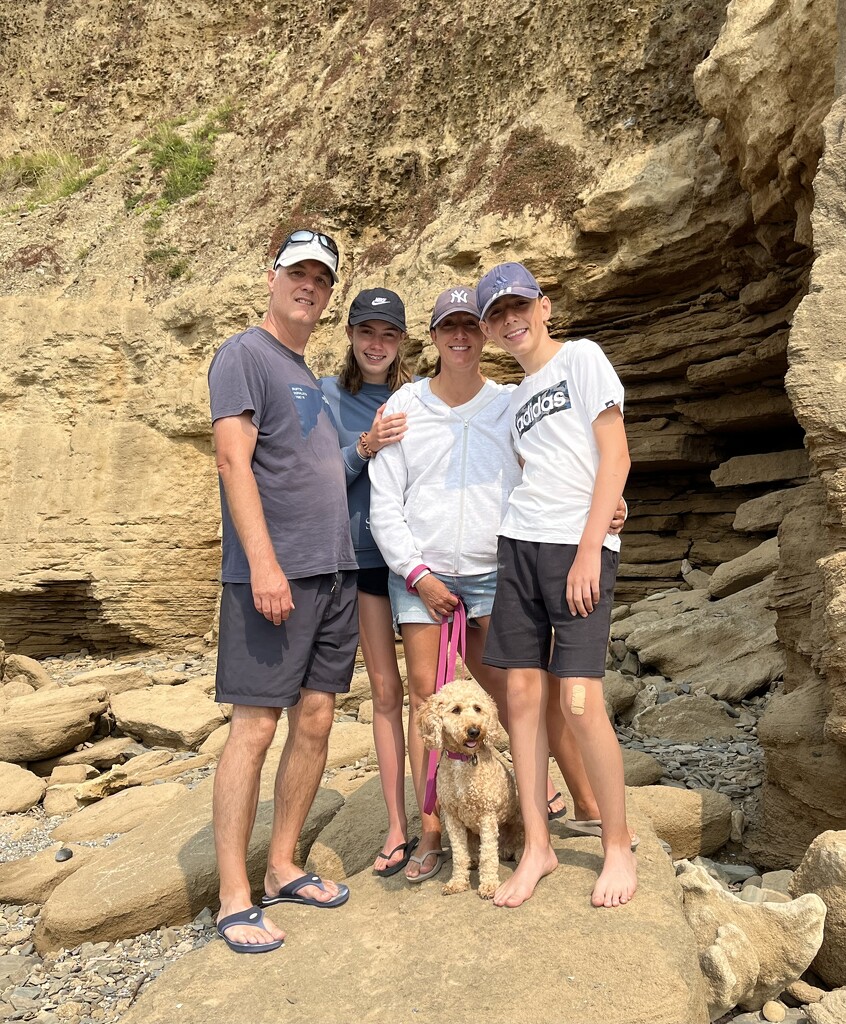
(577, 700)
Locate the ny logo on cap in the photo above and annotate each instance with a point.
(458, 295)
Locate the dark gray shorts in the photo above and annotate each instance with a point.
(531, 603)
(265, 665)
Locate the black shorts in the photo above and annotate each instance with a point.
(263, 665)
(531, 604)
(374, 581)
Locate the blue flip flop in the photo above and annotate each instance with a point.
(290, 893)
(253, 916)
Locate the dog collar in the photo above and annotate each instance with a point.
(461, 757)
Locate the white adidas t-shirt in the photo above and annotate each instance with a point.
(552, 412)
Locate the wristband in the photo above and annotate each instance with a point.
(415, 576)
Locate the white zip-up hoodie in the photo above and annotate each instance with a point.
(438, 496)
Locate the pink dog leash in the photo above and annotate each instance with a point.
(453, 642)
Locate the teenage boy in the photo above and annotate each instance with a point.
(288, 614)
(557, 566)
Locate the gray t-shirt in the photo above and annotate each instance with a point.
(297, 463)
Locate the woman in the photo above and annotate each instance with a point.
(436, 504)
(373, 369)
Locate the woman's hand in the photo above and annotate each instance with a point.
(385, 430)
(618, 520)
(434, 594)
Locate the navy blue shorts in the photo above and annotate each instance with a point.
(265, 666)
(531, 607)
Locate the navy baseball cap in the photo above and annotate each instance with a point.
(506, 279)
(378, 304)
(458, 299)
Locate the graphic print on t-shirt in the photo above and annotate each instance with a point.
(553, 399)
(308, 402)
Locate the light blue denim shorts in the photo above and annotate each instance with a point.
(477, 593)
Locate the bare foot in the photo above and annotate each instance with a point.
(618, 881)
(395, 838)
(274, 880)
(521, 885)
(248, 933)
(429, 842)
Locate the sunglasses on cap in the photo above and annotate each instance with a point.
(303, 237)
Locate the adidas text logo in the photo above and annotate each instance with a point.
(545, 403)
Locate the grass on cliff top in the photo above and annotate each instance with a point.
(45, 175)
(186, 163)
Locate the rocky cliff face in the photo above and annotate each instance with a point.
(653, 162)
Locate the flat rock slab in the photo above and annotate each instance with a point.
(729, 647)
(102, 754)
(745, 570)
(408, 953)
(164, 873)
(114, 680)
(117, 814)
(32, 879)
(181, 716)
(688, 720)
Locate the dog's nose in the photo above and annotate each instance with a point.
(473, 733)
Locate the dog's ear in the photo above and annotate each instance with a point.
(429, 723)
(488, 706)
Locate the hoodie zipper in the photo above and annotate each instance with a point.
(464, 442)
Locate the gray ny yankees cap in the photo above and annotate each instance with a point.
(458, 299)
(378, 304)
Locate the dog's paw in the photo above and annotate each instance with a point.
(451, 888)
(487, 891)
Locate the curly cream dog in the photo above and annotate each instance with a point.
(476, 789)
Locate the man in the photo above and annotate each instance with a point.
(557, 565)
(288, 615)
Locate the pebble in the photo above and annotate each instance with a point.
(774, 1011)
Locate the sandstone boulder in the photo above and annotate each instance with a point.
(745, 571)
(365, 712)
(765, 514)
(349, 742)
(349, 843)
(164, 873)
(114, 680)
(216, 741)
(167, 716)
(657, 607)
(102, 754)
(640, 768)
(135, 772)
(49, 722)
(686, 719)
(619, 693)
(19, 789)
(693, 821)
(16, 688)
(749, 953)
(32, 879)
(823, 871)
(64, 773)
(729, 647)
(359, 691)
(19, 666)
(831, 1009)
(402, 966)
(117, 814)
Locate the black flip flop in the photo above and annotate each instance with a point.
(407, 848)
(552, 815)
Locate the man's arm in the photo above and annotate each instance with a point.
(614, 462)
(235, 441)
